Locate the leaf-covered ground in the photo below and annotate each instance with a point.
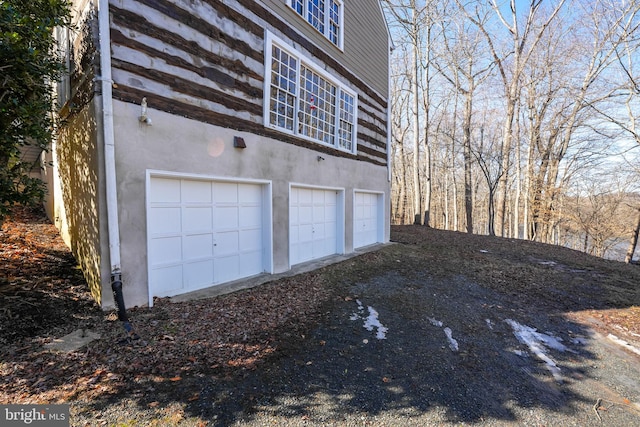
(255, 355)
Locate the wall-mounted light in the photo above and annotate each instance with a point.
(143, 118)
(238, 142)
(320, 158)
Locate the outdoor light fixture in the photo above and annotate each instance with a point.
(238, 142)
(143, 118)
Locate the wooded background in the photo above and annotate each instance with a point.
(518, 118)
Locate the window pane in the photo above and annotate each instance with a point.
(297, 5)
(334, 22)
(345, 134)
(316, 113)
(315, 14)
(283, 87)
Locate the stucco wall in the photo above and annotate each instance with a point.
(176, 144)
(73, 200)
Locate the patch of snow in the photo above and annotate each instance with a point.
(538, 344)
(623, 343)
(484, 251)
(453, 344)
(489, 323)
(550, 263)
(435, 322)
(371, 321)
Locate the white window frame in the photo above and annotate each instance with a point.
(63, 85)
(300, 61)
(326, 24)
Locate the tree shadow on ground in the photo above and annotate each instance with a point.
(430, 289)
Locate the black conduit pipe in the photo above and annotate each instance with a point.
(118, 297)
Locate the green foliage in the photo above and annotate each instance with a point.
(29, 61)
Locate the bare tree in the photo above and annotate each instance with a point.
(525, 37)
(459, 63)
(411, 16)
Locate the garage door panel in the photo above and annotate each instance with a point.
(197, 218)
(166, 280)
(318, 213)
(198, 274)
(166, 220)
(305, 213)
(249, 193)
(250, 259)
(250, 216)
(225, 192)
(227, 268)
(166, 250)
(198, 246)
(251, 240)
(196, 191)
(226, 217)
(165, 191)
(227, 243)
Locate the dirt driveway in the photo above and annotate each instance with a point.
(438, 328)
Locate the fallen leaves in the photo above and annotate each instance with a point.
(225, 335)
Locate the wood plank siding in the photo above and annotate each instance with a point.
(205, 60)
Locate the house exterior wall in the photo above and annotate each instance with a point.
(204, 85)
(211, 67)
(184, 146)
(72, 169)
(200, 66)
(74, 201)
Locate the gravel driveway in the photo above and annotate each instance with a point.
(421, 351)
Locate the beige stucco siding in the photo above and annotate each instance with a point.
(183, 146)
(75, 191)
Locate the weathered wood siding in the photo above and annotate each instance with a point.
(205, 60)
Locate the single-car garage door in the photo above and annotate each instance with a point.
(367, 224)
(313, 223)
(202, 233)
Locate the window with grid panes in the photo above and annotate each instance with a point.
(324, 15)
(307, 102)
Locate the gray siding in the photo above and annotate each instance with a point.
(366, 43)
(205, 60)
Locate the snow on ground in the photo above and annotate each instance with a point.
(371, 321)
(538, 344)
(453, 344)
(623, 343)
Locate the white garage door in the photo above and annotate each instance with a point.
(202, 233)
(313, 224)
(367, 225)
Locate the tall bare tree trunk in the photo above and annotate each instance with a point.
(634, 241)
(415, 89)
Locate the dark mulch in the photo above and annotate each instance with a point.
(296, 351)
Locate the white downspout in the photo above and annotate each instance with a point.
(110, 163)
(108, 135)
